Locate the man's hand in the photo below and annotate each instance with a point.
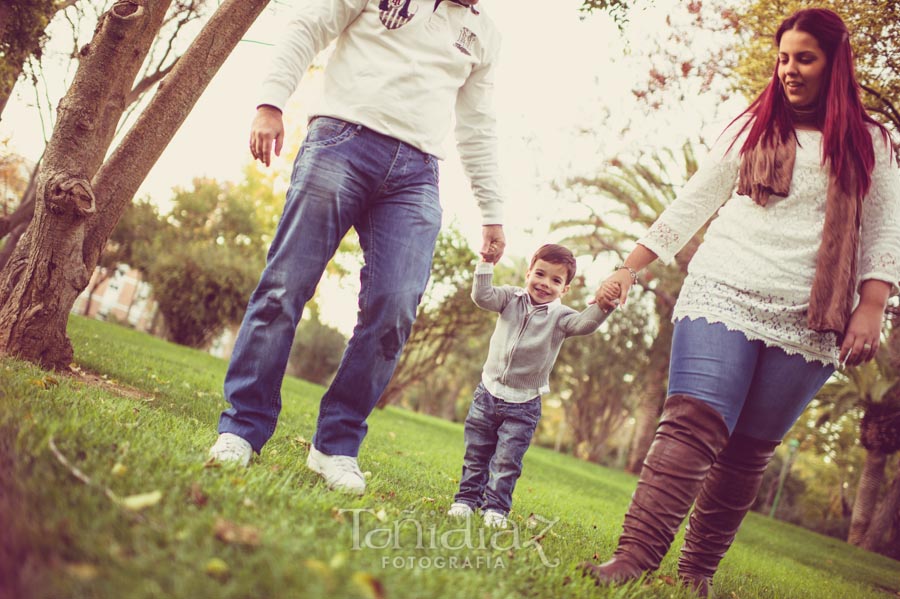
(267, 127)
(493, 243)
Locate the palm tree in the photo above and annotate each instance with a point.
(622, 202)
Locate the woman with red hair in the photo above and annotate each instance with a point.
(791, 281)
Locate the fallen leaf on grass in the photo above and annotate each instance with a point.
(118, 469)
(217, 568)
(338, 560)
(197, 496)
(236, 534)
(321, 571)
(141, 501)
(82, 571)
(368, 584)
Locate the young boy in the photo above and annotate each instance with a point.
(507, 405)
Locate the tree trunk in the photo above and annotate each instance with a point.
(883, 521)
(866, 496)
(653, 395)
(53, 262)
(46, 272)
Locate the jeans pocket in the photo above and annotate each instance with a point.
(326, 131)
(533, 409)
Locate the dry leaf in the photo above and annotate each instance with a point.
(141, 501)
(217, 568)
(338, 560)
(322, 571)
(370, 585)
(235, 534)
(197, 496)
(82, 571)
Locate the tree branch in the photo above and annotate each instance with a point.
(893, 114)
(147, 82)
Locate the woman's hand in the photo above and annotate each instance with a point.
(863, 334)
(614, 290)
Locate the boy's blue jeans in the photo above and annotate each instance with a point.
(344, 176)
(759, 390)
(497, 435)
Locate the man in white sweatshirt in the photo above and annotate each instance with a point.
(369, 161)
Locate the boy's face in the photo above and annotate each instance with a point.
(546, 282)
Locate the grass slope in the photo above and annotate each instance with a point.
(148, 519)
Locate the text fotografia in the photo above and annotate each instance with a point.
(415, 535)
(440, 562)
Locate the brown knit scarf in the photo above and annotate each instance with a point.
(767, 170)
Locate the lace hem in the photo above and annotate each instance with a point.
(662, 240)
(807, 353)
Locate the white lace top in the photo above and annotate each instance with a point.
(754, 270)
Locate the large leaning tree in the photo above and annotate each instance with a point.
(81, 196)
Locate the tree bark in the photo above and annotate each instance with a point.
(53, 262)
(883, 520)
(46, 272)
(866, 496)
(653, 394)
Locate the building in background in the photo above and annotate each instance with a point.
(120, 296)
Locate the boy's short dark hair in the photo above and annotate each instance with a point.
(556, 254)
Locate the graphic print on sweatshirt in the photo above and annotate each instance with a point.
(465, 40)
(395, 14)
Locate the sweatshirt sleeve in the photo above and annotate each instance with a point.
(476, 137)
(314, 25)
(484, 294)
(880, 235)
(585, 322)
(709, 188)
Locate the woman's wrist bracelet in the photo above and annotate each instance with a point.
(630, 270)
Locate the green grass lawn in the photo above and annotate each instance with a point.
(144, 517)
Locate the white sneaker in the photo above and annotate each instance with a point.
(230, 448)
(459, 510)
(494, 519)
(341, 472)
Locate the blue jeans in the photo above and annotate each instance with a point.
(497, 435)
(760, 391)
(345, 175)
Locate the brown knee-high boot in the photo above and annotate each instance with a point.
(726, 496)
(689, 437)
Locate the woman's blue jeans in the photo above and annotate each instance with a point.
(760, 391)
(344, 176)
(497, 434)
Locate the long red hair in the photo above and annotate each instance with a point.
(847, 144)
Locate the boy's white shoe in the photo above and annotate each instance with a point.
(230, 448)
(459, 510)
(341, 472)
(494, 519)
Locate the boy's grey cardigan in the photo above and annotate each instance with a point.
(527, 338)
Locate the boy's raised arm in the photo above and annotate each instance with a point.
(484, 294)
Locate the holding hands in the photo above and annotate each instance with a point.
(614, 290)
